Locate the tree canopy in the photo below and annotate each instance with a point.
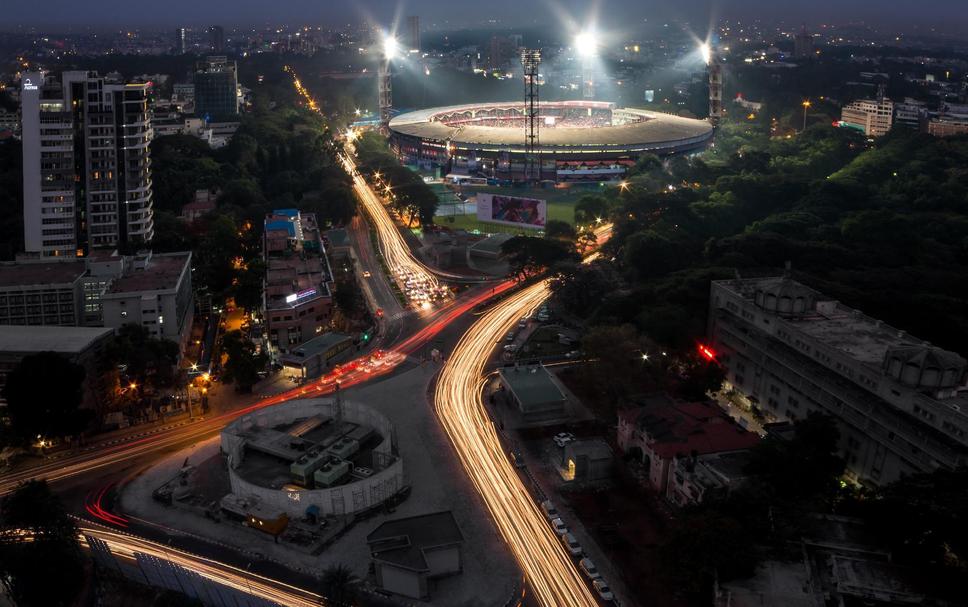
(43, 396)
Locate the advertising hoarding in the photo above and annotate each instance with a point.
(512, 210)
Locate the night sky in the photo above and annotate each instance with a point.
(950, 14)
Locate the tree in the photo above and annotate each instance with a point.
(149, 362)
(556, 229)
(243, 363)
(588, 209)
(528, 256)
(248, 287)
(339, 585)
(43, 396)
(26, 567)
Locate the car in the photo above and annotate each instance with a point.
(366, 274)
(510, 348)
(509, 337)
(588, 568)
(571, 544)
(549, 510)
(517, 459)
(559, 526)
(543, 316)
(601, 587)
(563, 438)
(522, 323)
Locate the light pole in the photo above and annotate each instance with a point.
(806, 104)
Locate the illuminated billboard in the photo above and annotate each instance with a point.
(512, 210)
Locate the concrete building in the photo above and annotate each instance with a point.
(408, 552)
(181, 41)
(586, 460)
(663, 431)
(803, 44)
(298, 283)
(695, 479)
(156, 293)
(534, 392)
(86, 164)
(873, 116)
(216, 38)
(216, 90)
(80, 345)
(48, 293)
(947, 127)
(311, 359)
(413, 34)
(10, 122)
(901, 403)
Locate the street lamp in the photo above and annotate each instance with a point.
(806, 104)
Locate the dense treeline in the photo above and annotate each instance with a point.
(409, 195)
(883, 229)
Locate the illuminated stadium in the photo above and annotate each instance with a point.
(578, 140)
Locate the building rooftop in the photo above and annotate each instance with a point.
(834, 324)
(684, 428)
(532, 385)
(317, 345)
(161, 273)
(492, 244)
(19, 274)
(594, 449)
(402, 542)
(65, 340)
(281, 225)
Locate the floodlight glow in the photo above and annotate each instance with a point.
(586, 44)
(707, 52)
(390, 47)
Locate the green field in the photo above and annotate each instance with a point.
(561, 205)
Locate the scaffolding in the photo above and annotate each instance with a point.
(386, 92)
(531, 59)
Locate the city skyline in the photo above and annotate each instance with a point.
(940, 15)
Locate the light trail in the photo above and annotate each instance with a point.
(125, 546)
(415, 279)
(457, 399)
(549, 569)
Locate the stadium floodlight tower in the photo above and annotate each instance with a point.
(531, 59)
(586, 45)
(715, 69)
(388, 51)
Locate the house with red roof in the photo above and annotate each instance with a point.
(669, 435)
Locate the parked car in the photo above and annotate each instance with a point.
(518, 460)
(522, 323)
(559, 526)
(563, 438)
(509, 337)
(589, 569)
(571, 544)
(366, 273)
(549, 509)
(601, 587)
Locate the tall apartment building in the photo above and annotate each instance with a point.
(874, 116)
(901, 404)
(216, 38)
(86, 164)
(181, 41)
(803, 44)
(216, 89)
(413, 34)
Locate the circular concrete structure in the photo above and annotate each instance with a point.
(578, 140)
(310, 452)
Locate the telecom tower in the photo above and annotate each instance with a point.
(386, 90)
(715, 90)
(531, 59)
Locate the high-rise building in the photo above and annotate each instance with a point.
(86, 164)
(803, 44)
(413, 31)
(873, 116)
(216, 38)
(900, 403)
(181, 42)
(216, 90)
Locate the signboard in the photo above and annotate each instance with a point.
(29, 85)
(512, 210)
(300, 295)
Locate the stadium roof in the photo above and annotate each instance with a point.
(654, 130)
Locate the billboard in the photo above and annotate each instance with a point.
(512, 210)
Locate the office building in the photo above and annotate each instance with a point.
(103, 290)
(81, 345)
(216, 38)
(910, 114)
(298, 283)
(948, 127)
(413, 34)
(873, 116)
(216, 90)
(900, 403)
(86, 165)
(803, 44)
(181, 41)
